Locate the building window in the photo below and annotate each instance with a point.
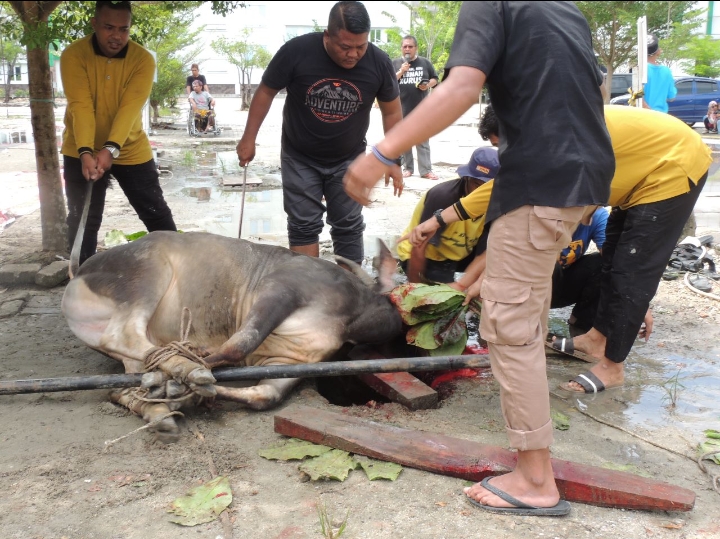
(376, 36)
(259, 226)
(18, 73)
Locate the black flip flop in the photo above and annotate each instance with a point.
(561, 509)
(589, 382)
(700, 283)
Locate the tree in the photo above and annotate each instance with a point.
(613, 26)
(245, 56)
(433, 25)
(10, 50)
(41, 26)
(702, 57)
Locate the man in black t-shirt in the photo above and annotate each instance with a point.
(195, 70)
(416, 75)
(332, 79)
(556, 164)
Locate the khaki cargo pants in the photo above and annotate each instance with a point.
(521, 252)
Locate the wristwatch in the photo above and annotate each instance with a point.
(438, 216)
(113, 151)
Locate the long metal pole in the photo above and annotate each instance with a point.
(333, 368)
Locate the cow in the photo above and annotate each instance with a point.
(243, 304)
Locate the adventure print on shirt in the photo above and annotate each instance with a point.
(333, 100)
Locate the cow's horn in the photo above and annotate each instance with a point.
(355, 268)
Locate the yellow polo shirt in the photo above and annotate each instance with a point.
(105, 97)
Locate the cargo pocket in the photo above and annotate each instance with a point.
(547, 229)
(506, 312)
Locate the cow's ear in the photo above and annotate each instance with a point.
(385, 265)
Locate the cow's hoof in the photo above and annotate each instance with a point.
(204, 390)
(153, 379)
(175, 389)
(166, 432)
(201, 377)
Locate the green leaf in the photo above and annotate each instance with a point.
(712, 447)
(135, 235)
(711, 433)
(334, 464)
(560, 420)
(626, 468)
(115, 238)
(450, 349)
(202, 504)
(422, 336)
(293, 449)
(378, 469)
(452, 327)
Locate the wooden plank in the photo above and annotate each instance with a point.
(400, 387)
(403, 388)
(473, 461)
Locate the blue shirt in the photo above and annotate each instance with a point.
(659, 88)
(582, 237)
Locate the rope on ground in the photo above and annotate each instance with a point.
(714, 477)
(109, 443)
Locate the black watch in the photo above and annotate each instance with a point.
(438, 216)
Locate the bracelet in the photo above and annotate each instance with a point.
(438, 216)
(384, 160)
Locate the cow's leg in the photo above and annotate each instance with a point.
(272, 306)
(263, 396)
(165, 430)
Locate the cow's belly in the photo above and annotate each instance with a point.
(304, 337)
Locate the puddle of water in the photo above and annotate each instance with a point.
(660, 391)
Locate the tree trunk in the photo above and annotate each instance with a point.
(42, 118)
(156, 110)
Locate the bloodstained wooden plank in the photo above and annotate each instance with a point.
(400, 387)
(473, 461)
(403, 388)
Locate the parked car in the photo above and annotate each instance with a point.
(691, 102)
(620, 84)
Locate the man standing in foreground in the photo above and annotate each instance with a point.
(550, 179)
(107, 80)
(416, 75)
(332, 79)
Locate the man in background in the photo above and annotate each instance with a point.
(660, 86)
(416, 75)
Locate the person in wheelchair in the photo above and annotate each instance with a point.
(202, 104)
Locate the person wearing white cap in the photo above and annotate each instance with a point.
(660, 85)
(710, 119)
(453, 248)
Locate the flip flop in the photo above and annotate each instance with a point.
(710, 271)
(588, 381)
(700, 283)
(561, 509)
(565, 346)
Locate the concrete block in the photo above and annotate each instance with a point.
(53, 274)
(19, 273)
(10, 308)
(12, 295)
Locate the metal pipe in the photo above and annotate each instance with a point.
(333, 368)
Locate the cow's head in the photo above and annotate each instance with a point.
(384, 265)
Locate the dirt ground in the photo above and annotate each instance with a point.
(59, 479)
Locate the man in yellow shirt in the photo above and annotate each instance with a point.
(660, 169)
(107, 79)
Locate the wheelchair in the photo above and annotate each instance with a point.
(196, 123)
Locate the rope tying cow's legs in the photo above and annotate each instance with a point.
(181, 360)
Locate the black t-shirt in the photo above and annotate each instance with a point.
(191, 79)
(410, 95)
(544, 85)
(327, 109)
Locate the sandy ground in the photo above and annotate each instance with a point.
(60, 481)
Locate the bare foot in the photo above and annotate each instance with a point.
(544, 494)
(611, 374)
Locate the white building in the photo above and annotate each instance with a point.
(271, 24)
